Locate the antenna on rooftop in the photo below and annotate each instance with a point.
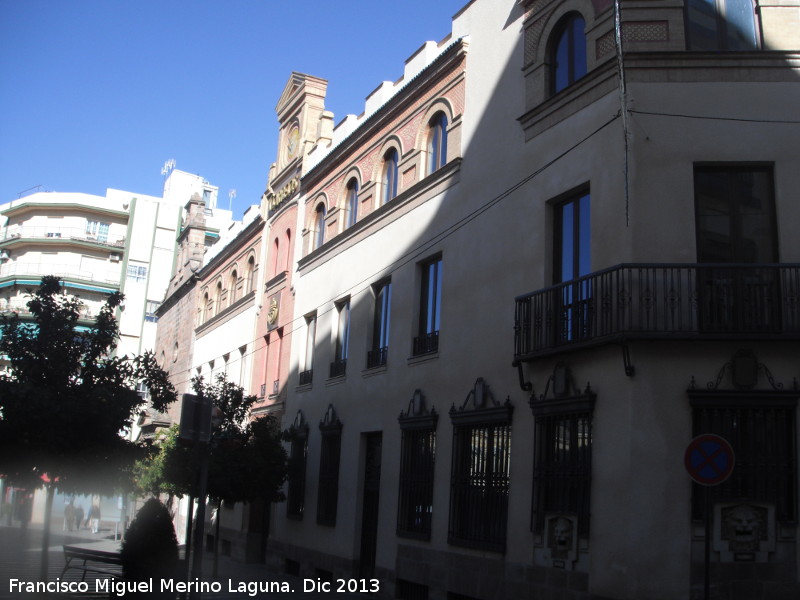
(231, 196)
(169, 165)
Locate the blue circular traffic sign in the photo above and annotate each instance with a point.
(709, 459)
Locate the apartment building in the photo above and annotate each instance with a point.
(97, 244)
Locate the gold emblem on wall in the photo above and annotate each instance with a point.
(272, 312)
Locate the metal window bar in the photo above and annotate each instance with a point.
(328, 493)
(426, 343)
(306, 377)
(338, 368)
(377, 357)
(764, 441)
(415, 505)
(479, 486)
(295, 497)
(562, 468)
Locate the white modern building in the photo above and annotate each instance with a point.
(122, 241)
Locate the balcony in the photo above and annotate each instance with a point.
(306, 377)
(660, 301)
(65, 271)
(377, 357)
(77, 234)
(338, 368)
(427, 343)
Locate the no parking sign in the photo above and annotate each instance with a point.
(709, 459)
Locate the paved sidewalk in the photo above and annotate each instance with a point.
(20, 558)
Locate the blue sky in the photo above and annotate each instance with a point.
(97, 94)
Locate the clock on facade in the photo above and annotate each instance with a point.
(292, 142)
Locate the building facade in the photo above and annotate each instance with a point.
(537, 265)
(97, 244)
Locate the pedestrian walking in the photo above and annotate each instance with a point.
(69, 516)
(78, 517)
(94, 517)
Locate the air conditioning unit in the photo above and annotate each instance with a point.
(115, 257)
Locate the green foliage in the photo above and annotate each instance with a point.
(167, 468)
(150, 548)
(66, 400)
(246, 458)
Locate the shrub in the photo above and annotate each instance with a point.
(150, 548)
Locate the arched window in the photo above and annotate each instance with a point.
(274, 260)
(207, 309)
(437, 142)
(287, 250)
(390, 160)
(319, 226)
(218, 298)
(567, 52)
(351, 202)
(250, 274)
(234, 282)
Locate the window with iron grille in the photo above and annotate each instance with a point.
(761, 429)
(328, 491)
(298, 458)
(479, 478)
(479, 485)
(417, 460)
(562, 471)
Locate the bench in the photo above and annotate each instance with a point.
(104, 553)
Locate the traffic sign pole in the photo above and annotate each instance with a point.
(709, 460)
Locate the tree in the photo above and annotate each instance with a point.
(166, 469)
(67, 399)
(246, 458)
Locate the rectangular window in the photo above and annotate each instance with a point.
(417, 457)
(328, 495)
(380, 330)
(479, 485)
(736, 223)
(562, 464)
(721, 25)
(735, 208)
(150, 311)
(97, 230)
(137, 273)
(298, 457)
(342, 341)
(308, 362)
(572, 260)
(430, 308)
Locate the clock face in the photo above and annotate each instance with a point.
(292, 142)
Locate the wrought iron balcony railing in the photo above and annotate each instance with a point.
(338, 368)
(426, 343)
(306, 377)
(377, 357)
(653, 301)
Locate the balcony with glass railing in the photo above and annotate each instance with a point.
(660, 301)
